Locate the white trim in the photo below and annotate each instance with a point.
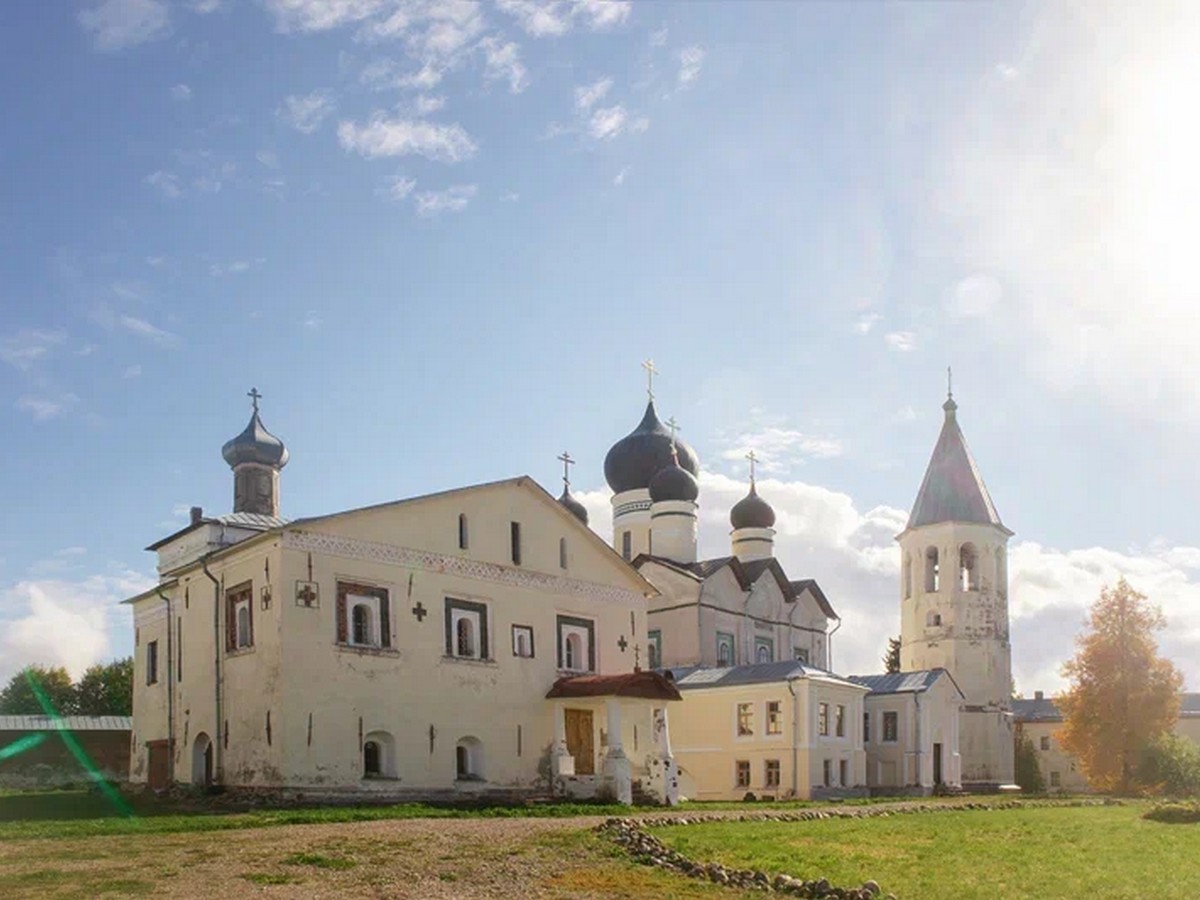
(428, 561)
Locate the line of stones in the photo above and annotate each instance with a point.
(631, 835)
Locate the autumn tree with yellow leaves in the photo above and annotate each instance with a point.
(1122, 694)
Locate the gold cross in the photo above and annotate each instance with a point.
(648, 365)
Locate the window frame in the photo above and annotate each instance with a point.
(565, 626)
(742, 777)
(823, 719)
(773, 720)
(772, 773)
(843, 772)
(725, 637)
(478, 613)
(464, 532)
(526, 630)
(839, 721)
(627, 545)
(764, 643)
(152, 662)
(890, 717)
(866, 727)
(744, 719)
(237, 598)
(514, 537)
(380, 610)
(1044, 742)
(654, 643)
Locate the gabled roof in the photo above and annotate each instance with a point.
(695, 677)
(248, 521)
(746, 573)
(953, 490)
(904, 682)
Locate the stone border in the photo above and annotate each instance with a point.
(631, 835)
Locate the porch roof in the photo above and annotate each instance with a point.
(646, 685)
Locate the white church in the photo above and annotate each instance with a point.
(484, 642)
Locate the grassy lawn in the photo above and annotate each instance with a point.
(1094, 852)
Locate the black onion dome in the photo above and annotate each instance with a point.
(573, 506)
(752, 511)
(674, 483)
(636, 458)
(255, 445)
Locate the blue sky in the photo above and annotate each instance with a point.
(441, 237)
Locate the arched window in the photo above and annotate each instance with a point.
(462, 531)
(562, 553)
(468, 759)
(762, 654)
(371, 759)
(243, 626)
(932, 571)
(465, 636)
(968, 567)
(360, 623)
(724, 650)
(573, 651)
(907, 575)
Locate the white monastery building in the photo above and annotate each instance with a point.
(485, 642)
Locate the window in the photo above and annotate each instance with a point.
(654, 649)
(725, 655)
(152, 662)
(932, 575)
(515, 537)
(522, 639)
(1055, 779)
(576, 644)
(843, 772)
(866, 728)
(466, 629)
(627, 545)
(823, 719)
(462, 531)
(907, 576)
(363, 615)
(771, 773)
(839, 721)
(562, 553)
(891, 727)
(371, 761)
(800, 654)
(239, 618)
(827, 772)
(742, 770)
(774, 717)
(468, 759)
(968, 567)
(932, 619)
(764, 650)
(1045, 742)
(745, 719)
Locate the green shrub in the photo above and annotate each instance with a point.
(1171, 765)
(1174, 813)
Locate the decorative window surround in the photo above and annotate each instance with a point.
(467, 622)
(428, 561)
(378, 615)
(522, 637)
(583, 633)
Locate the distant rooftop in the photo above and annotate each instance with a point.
(692, 677)
(66, 723)
(900, 682)
(1044, 709)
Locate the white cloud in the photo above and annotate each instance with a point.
(553, 18)
(510, 197)
(237, 267)
(974, 297)
(166, 183)
(603, 14)
(205, 7)
(181, 92)
(321, 15)
(901, 341)
(659, 38)
(619, 179)
(144, 329)
(306, 112)
(905, 414)
(312, 321)
(608, 122)
(778, 449)
(134, 371)
(426, 104)
(382, 137)
(45, 407)
(268, 158)
(452, 199)
(504, 64)
(54, 622)
(117, 24)
(29, 347)
(587, 95)
(691, 59)
(399, 187)
(864, 323)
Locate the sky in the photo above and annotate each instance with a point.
(441, 237)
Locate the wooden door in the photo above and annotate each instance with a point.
(157, 752)
(579, 740)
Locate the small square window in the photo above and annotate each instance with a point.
(522, 636)
(774, 717)
(771, 773)
(742, 771)
(745, 719)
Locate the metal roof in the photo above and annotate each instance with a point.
(952, 490)
(1044, 709)
(900, 682)
(747, 573)
(66, 723)
(692, 677)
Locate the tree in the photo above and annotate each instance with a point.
(1122, 695)
(1171, 764)
(1029, 773)
(18, 697)
(891, 659)
(106, 690)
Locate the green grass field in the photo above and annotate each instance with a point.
(1095, 852)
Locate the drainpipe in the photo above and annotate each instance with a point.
(917, 707)
(170, 690)
(791, 683)
(829, 646)
(218, 755)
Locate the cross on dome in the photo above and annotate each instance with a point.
(651, 371)
(675, 429)
(567, 462)
(753, 457)
(949, 384)
(254, 396)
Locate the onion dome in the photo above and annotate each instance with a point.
(635, 459)
(752, 511)
(573, 506)
(674, 483)
(255, 445)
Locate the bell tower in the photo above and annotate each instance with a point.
(954, 602)
(256, 457)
